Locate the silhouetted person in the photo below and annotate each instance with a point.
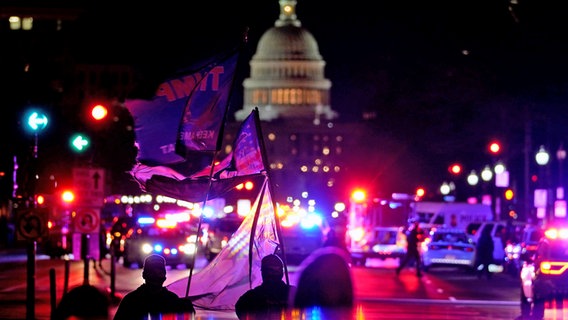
(152, 299)
(484, 252)
(324, 284)
(268, 299)
(332, 240)
(413, 238)
(84, 302)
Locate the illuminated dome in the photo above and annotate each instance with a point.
(287, 42)
(287, 73)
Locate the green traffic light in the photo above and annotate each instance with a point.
(36, 121)
(79, 142)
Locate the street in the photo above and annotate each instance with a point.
(380, 294)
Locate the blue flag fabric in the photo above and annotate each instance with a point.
(248, 155)
(188, 108)
(245, 162)
(204, 114)
(246, 158)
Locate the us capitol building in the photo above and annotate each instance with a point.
(312, 153)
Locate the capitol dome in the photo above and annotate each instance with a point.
(287, 42)
(287, 73)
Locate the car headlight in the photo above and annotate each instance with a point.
(188, 248)
(147, 248)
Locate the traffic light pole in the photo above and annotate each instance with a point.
(31, 245)
(36, 121)
(30, 291)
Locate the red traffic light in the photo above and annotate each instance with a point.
(68, 196)
(420, 192)
(494, 147)
(99, 111)
(455, 169)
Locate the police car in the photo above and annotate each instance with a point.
(448, 247)
(175, 241)
(544, 277)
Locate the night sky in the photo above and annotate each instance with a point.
(442, 77)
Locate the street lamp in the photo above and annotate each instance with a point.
(446, 189)
(472, 178)
(486, 174)
(542, 158)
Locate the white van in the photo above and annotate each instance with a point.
(450, 214)
(501, 231)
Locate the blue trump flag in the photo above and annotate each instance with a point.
(185, 114)
(246, 158)
(246, 162)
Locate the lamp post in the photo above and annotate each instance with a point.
(560, 203)
(541, 197)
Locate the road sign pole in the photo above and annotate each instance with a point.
(30, 291)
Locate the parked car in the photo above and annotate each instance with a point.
(176, 242)
(545, 278)
(448, 247)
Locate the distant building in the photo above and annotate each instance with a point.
(313, 155)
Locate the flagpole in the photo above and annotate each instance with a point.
(253, 228)
(200, 221)
(270, 189)
(213, 160)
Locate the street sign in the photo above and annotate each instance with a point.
(87, 220)
(89, 186)
(31, 224)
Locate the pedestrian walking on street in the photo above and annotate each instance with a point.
(484, 252)
(152, 299)
(413, 239)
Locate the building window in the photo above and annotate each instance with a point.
(259, 96)
(27, 23)
(15, 23)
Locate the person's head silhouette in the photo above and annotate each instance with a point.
(83, 302)
(154, 270)
(271, 268)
